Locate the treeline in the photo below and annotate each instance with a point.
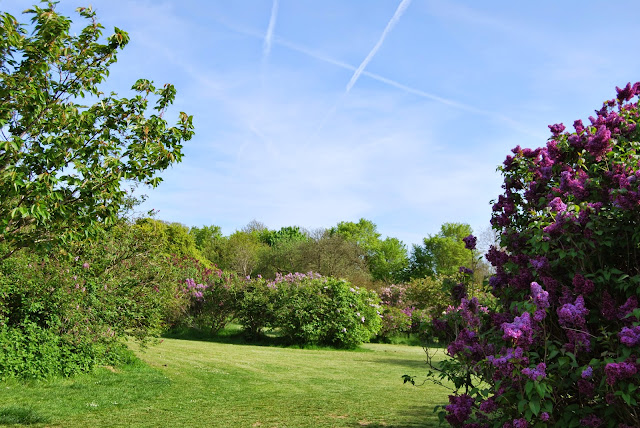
(354, 251)
(77, 306)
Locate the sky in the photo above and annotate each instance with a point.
(309, 113)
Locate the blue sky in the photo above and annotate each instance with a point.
(313, 112)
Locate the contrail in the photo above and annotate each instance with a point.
(407, 89)
(268, 38)
(394, 20)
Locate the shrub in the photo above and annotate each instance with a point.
(257, 304)
(395, 321)
(326, 311)
(561, 347)
(66, 314)
(211, 295)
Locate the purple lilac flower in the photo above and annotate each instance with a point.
(598, 144)
(630, 336)
(587, 373)
(628, 307)
(557, 129)
(520, 423)
(537, 373)
(557, 205)
(583, 285)
(572, 318)
(505, 364)
(466, 343)
(591, 421)
(459, 291)
(544, 416)
(459, 409)
(489, 405)
(539, 263)
(465, 270)
(470, 242)
(541, 300)
(585, 388)
(519, 330)
(626, 93)
(573, 314)
(617, 371)
(608, 310)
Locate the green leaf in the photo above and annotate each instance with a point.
(534, 405)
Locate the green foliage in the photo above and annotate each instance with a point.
(394, 322)
(283, 252)
(386, 259)
(443, 253)
(212, 296)
(241, 253)
(332, 255)
(389, 261)
(172, 239)
(209, 241)
(328, 312)
(67, 314)
(62, 164)
(257, 305)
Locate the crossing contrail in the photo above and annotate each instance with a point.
(268, 38)
(394, 20)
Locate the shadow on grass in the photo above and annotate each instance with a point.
(409, 363)
(417, 416)
(235, 335)
(17, 415)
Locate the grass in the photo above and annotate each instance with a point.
(188, 383)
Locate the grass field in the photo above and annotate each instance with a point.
(189, 383)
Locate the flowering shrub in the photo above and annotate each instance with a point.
(257, 304)
(394, 321)
(61, 315)
(211, 295)
(560, 347)
(327, 311)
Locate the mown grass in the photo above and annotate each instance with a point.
(188, 383)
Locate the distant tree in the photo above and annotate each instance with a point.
(242, 252)
(442, 253)
(173, 239)
(364, 233)
(386, 260)
(63, 164)
(332, 255)
(254, 226)
(389, 261)
(209, 241)
(283, 253)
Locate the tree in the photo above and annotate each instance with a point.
(442, 253)
(332, 255)
(242, 252)
(209, 241)
(389, 261)
(63, 164)
(386, 259)
(364, 233)
(283, 253)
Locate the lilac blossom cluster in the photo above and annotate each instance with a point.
(293, 278)
(565, 280)
(196, 290)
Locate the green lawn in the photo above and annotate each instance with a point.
(206, 384)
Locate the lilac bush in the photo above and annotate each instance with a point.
(211, 296)
(560, 345)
